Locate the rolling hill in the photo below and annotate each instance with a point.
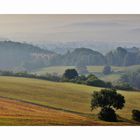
(82, 56)
(18, 56)
(23, 101)
(14, 112)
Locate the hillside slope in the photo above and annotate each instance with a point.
(65, 97)
(13, 112)
(22, 56)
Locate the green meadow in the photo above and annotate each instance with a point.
(64, 97)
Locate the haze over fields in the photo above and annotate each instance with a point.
(55, 69)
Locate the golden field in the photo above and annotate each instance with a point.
(26, 101)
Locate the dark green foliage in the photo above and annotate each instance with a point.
(70, 74)
(118, 101)
(136, 115)
(107, 114)
(107, 70)
(92, 80)
(107, 100)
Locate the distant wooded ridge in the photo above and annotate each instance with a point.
(22, 56)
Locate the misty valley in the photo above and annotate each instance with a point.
(124, 63)
(69, 70)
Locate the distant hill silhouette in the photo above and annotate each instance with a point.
(22, 56)
(18, 56)
(123, 57)
(81, 56)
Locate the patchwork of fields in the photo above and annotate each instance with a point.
(117, 71)
(25, 101)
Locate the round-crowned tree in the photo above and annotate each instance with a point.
(70, 74)
(109, 101)
(107, 70)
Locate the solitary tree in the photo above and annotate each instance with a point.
(70, 74)
(109, 101)
(107, 70)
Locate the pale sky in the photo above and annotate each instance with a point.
(34, 28)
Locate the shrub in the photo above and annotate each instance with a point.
(107, 114)
(136, 115)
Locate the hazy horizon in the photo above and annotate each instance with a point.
(53, 28)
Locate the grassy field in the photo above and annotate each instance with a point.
(64, 99)
(111, 77)
(60, 69)
(100, 69)
(97, 69)
(91, 69)
(56, 69)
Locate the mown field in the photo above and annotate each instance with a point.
(25, 101)
(96, 69)
(13, 112)
(54, 69)
(117, 71)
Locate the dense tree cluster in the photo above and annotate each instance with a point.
(71, 75)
